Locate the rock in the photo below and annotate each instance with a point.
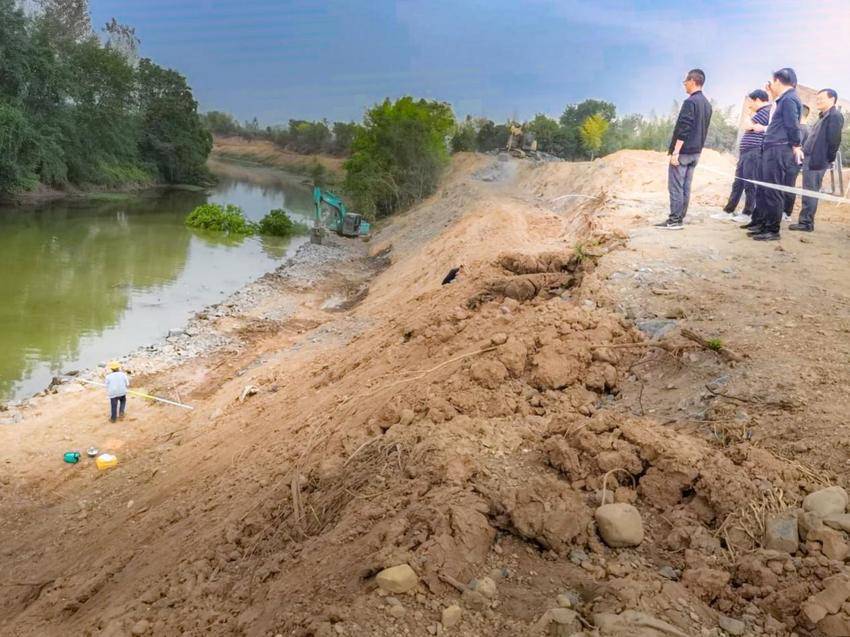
(577, 556)
(780, 533)
(656, 328)
(669, 572)
(149, 596)
(632, 622)
(485, 586)
(141, 627)
(175, 332)
(558, 622)
(840, 521)
(397, 579)
(732, 626)
(832, 543)
(826, 501)
(808, 522)
(619, 525)
(474, 600)
(564, 601)
(406, 417)
(834, 594)
(813, 611)
(499, 339)
(451, 616)
(835, 626)
(397, 611)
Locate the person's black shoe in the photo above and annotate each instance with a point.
(766, 236)
(759, 229)
(751, 225)
(670, 225)
(801, 227)
(728, 209)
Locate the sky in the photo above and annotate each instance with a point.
(305, 59)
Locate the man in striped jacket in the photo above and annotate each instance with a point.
(749, 156)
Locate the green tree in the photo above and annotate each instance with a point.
(571, 120)
(545, 130)
(173, 138)
(220, 123)
(722, 133)
(398, 155)
(492, 136)
(343, 137)
(592, 131)
(465, 136)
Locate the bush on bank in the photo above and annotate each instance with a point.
(231, 220)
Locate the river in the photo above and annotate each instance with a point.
(84, 281)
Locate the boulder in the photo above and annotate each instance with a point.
(620, 525)
(485, 586)
(835, 626)
(559, 622)
(397, 579)
(826, 501)
(834, 594)
(632, 622)
(780, 533)
(840, 521)
(832, 542)
(732, 626)
(451, 616)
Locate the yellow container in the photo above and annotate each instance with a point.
(106, 461)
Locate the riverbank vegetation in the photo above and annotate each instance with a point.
(82, 109)
(231, 220)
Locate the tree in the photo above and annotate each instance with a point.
(465, 136)
(122, 38)
(491, 136)
(398, 155)
(220, 123)
(545, 130)
(67, 19)
(343, 137)
(571, 120)
(722, 133)
(173, 138)
(592, 131)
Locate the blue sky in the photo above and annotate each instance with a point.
(307, 59)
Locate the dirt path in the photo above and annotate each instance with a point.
(469, 431)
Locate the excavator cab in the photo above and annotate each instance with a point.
(344, 223)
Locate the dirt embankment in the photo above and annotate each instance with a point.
(464, 436)
(264, 152)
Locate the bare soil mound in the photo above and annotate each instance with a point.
(465, 437)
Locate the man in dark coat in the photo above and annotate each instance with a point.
(685, 148)
(820, 149)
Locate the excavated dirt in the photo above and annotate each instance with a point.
(470, 431)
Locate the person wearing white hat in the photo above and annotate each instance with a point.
(117, 383)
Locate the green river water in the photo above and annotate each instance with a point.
(85, 281)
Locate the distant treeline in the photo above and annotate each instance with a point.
(80, 109)
(300, 136)
(590, 129)
(585, 130)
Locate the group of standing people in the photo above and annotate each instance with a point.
(776, 145)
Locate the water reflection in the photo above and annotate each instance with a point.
(84, 281)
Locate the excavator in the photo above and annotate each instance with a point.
(344, 223)
(521, 143)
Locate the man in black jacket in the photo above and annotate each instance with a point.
(820, 149)
(685, 148)
(781, 150)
